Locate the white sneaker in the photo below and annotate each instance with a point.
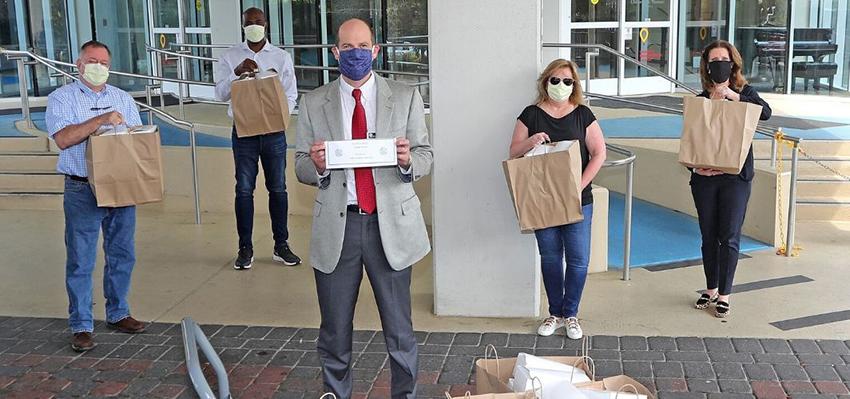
(549, 326)
(573, 328)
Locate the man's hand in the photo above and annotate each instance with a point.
(247, 65)
(317, 154)
(707, 172)
(402, 149)
(113, 118)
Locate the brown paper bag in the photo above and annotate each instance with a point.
(125, 169)
(619, 383)
(491, 375)
(259, 105)
(546, 187)
(717, 134)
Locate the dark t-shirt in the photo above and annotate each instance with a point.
(572, 126)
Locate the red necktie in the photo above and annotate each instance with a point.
(363, 178)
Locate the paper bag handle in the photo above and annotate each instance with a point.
(535, 388)
(585, 346)
(590, 364)
(624, 387)
(487, 350)
(449, 396)
(329, 394)
(250, 74)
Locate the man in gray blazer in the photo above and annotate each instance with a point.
(364, 216)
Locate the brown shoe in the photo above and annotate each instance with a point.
(128, 325)
(82, 342)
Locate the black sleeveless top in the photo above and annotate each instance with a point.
(572, 126)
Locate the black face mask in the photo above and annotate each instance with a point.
(719, 71)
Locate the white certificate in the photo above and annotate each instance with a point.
(360, 153)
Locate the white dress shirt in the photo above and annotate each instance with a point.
(368, 97)
(269, 57)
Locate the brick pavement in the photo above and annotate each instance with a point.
(281, 362)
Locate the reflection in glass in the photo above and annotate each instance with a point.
(165, 14)
(650, 46)
(121, 26)
(648, 10)
(168, 66)
(407, 22)
(602, 11)
(603, 65)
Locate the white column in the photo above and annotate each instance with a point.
(484, 61)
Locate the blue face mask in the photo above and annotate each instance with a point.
(356, 63)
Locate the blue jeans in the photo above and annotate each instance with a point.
(83, 222)
(554, 243)
(247, 151)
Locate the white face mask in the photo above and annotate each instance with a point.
(96, 74)
(559, 92)
(255, 33)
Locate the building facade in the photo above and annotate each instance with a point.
(788, 46)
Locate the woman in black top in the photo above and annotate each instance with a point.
(557, 115)
(721, 199)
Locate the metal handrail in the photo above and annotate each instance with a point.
(795, 141)
(294, 46)
(303, 67)
(49, 64)
(193, 338)
(629, 162)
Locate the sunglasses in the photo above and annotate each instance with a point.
(555, 80)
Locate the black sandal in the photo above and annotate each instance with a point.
(722, 309)
(704, 300)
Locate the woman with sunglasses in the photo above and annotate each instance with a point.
(721, 199)
(558, 114)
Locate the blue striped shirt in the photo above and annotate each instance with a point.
(76, 103)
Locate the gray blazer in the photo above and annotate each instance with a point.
(400, 113)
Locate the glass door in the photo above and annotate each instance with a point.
(121, 26)
(49, 37)
(761, 36)
(819, 37)
(647, 36)
(641, 29)
(182, 21)
(701, 22)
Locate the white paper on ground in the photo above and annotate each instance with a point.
(550, 148)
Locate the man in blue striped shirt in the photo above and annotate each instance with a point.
(74, 112)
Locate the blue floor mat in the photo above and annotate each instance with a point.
(670, 126)
(170, 135)
(659, 235)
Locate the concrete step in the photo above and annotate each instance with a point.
(46, 201)
(11, 182)
(815, 148)
(823, 188)
(31, 144)
(812, 169)
(28, 162)
(829, 209)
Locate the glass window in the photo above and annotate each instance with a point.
(816, 48)
(168, 66)
(9, 39)
(121, 26)
(595, 10)
(761, 37)
(650, 46)
(603, 65)
(197, 13)
(165, 14)
(407, 23)
(647, 10)
(306, 29)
